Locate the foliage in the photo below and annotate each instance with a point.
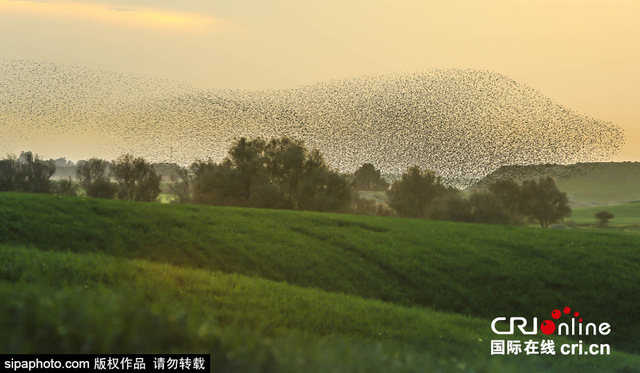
(215, 184)
(489, 208)
(412, 196)
(180, 185)
(38, 174)
(543, 202)
(368, 178)
(30, 175)
(604, 217)
(93, 178)
(507, 202)
(364, 206)
(499, 203)
(509, 196)
(280, 173)
(66, 187)
(137, 180)
(451, 206)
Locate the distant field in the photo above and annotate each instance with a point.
(586, 184)
(601, 189)
(266, 290)
(627, 214)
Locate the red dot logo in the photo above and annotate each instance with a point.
(566, 310)
(576, 314)
(548, 327)
(556, 314)
(580, 320)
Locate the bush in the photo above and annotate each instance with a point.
(487, 207)
(543, 202)
(180, 185)
(362, 206)
(451, 206)
(92, 175)
(412, 196)
(368, 178)
(280, 173)
(137, 180)
(66, 187)
(603, 218)
(102, 188)
(10, 175)
(30, 175)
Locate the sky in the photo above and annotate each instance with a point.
(583, 54)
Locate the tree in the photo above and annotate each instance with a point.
(231, 182)
(10, 175)
(500, 203)
(93, 178)
(604, 217)
(38, 174)
(137, 180)
(181, 184)
(368, 178)
(216, 184)
(451, 206)
(286, 165)
(509, 195)
(280, 173)
(247, 158)
(413, 195)
(322, 189)
(66, 187)
(26, 174)
(542, 201)
(489, 208)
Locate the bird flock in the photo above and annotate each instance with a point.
(462, 124)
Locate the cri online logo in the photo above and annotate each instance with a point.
(548, 327)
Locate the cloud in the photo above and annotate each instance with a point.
(128, 16)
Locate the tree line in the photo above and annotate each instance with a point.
(281, 173)
(421, 194)
(30, 175)
(135, 179)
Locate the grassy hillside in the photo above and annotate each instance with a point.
(88, 303)
(586, 184)
(626, 215)
(170, 260)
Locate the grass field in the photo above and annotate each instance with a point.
(604, 184)
(586, 184)
(266, 290)
(625, 215)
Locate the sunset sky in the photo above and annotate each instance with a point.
(583, 54)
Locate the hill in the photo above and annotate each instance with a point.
(92, 303)
(626, 216)
(469, 269)
(586, 184)
(463, 124)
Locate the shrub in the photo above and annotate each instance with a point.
(412, 196)
(603, 218)
(92, 175)
(137, 180)
(66, 187)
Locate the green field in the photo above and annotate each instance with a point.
(586, 184)
(626, 216)
(265, 290)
